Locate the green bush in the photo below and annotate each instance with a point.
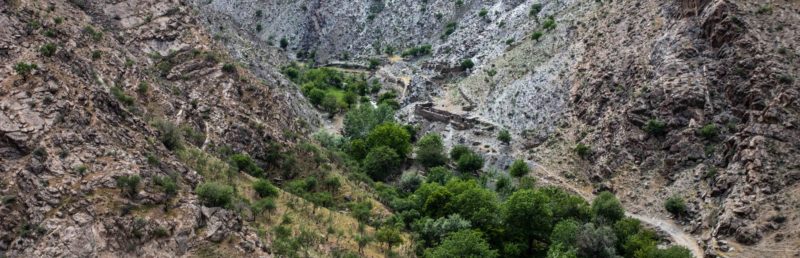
(483, 12)
(120, 95)
(467, 64)
(169, 134)
(439, 175)
(457, 151)
(381, 162)
(265, 189)
(284, 43)
(504, 136)
(390, 135)
(470, 162)
(430, 150)
(129, 185)
(243, 162)
(464, 243)
(449, 29)
(537, 35)
(24, 69)
(417, 51)
(214, 194)
(360, 121)
(655, 127)
(519, 168)
(535, 9)
(675, 205)
(709, 131)
(549, 24)
(607, 209)
(167, 184)
(374, 63)
(48, 49)
(264, 205)
(229, 68)
(583, 150)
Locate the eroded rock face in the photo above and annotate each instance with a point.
(84, 117)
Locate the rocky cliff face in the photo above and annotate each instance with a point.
(110, 77)
(690, 98)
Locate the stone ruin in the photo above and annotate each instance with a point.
(429, 112)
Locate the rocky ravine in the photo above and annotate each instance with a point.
(106, 73)
(715, 79)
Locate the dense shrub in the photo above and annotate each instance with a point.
(675, 205)
(535, 9)
(464, 243)
(243, 162)
(129, 185)
(430, 150)
(214, 194)
(583, 150)
(265, 189)
(167, 184)
(519, 168)
(48, 49)
(709, 131)
(120, 95)
(537, 35)
(439, 175)
(169, 134)
(24, 69)
(607, 209)
(417, 51)
(458, 150)
(504, 136)
(360, 121)
(467, 64)
(381, 162)
(229, 68)
(655, 127)
(390, 135)
(470, 162)
(264, 205)
(549, 24)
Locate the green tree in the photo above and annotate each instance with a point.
(315, 96)
(330, 104)
(478, 205)
(519, 212)
(564, 232)
(607, 209)
(558, 250)
(457, 151)
(214, 194)
(596, 241)
(390, 135)
(430, 150)
(264, 188)
(358, 122)
(381, 162)
(390, 236)
(465, 244)
(439, 175)
(504, 136)
(470, 162)
(519, 168)
(264, 205)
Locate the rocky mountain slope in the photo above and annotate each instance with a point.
(649, 99)
(696, 99)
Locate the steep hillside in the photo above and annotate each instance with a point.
(650, 99)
